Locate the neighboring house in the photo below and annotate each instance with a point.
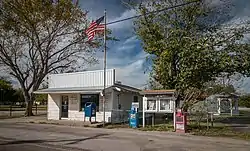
(223, 103)
(68, 93)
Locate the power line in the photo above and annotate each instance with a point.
(164, 9)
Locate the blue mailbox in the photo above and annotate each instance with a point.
(90, 111)
(133, 115)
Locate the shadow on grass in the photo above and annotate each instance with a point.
(10, 117)
(72, 141)
(217, 131)
(242, 118)
(159, 127)
(235, 120)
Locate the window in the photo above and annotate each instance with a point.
(164, 104)
(89, 98)
(135, 99)
(151, 104)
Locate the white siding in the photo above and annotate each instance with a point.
(74, 113)
(74, 108)
(108, 102)
(82, 79)
(54, 106)
(125, 99)
(99, 116)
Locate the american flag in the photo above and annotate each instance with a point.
(94, 28)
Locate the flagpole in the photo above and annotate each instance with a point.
(104, 67)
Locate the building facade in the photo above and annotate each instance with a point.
(69, 92)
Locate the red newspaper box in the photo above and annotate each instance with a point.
(181, 121)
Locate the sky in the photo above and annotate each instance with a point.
(127, 55)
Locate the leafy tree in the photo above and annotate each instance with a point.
(5, 84)
(42, 98)
(153, 84)
(37, 38)
(6, 91)
(18, 96)
(244, 101)
(217, 89)
(188, 50)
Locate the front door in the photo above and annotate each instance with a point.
(65, 106)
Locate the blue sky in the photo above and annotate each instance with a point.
(127, 56)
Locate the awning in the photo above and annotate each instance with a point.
(68, 90)
(157, 92)
(85, 90)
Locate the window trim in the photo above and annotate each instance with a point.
(156, 106)
(169, 99)
(135, 96)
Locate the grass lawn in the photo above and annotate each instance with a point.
(222, 127)
(10, 117)
(218, 131)
(158, 127)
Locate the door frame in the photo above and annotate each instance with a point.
(61, 109)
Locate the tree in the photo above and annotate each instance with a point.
(38, 38)
(188, 51)
(153, 84)
(6, 91)
(244, 101)
(5, 84)
(42, 98)
(223, 89)
(18, 96)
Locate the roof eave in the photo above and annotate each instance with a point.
(155, 93)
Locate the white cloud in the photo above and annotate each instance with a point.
(241, 17)
(129, 67)
(128, 71)
(133, 74)
(124, 55)
(129, 40)
(125, 24)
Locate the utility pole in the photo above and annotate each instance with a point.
(104, 66)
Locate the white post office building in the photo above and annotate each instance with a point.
(68, 93)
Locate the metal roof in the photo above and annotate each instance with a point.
(227, 95)
(126, 88)
(68, 90)
(88, 90)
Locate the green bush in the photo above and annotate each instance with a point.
(244, 101)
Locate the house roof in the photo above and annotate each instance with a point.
(88, 90)
(126, 88)
(144, 92)
(227, 95)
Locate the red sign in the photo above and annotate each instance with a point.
(181, 121)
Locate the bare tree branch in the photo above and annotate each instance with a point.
(38, 38)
